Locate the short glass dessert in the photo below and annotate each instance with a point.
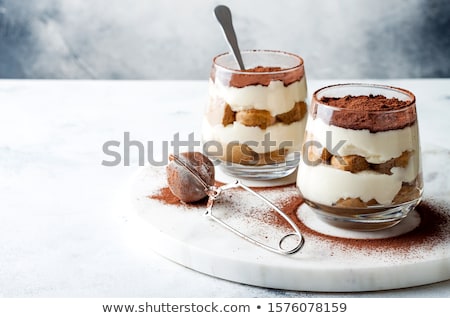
(255, 119)
(361, 164)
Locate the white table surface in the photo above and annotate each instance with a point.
(63, 229)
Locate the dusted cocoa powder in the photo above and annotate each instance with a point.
(264, 69)
(373, 112)
(166, 196)
(433, 229)
(259, 75)
(365, 103)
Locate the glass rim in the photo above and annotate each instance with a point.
(245, 72)
(403, 91)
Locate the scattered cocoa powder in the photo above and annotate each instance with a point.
(373, 112)
(433, 228)
(166, 196)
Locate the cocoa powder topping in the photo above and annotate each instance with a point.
(264, 69)
(259, 75)
(365, 103)
(373, 112)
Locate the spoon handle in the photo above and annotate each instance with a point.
(223, 15)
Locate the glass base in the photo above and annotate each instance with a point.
(372, 218)
(265, 172)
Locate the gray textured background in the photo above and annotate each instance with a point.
(159, 39)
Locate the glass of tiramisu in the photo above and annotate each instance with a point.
(361, 164)
(255, 119)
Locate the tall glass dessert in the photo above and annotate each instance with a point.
(360, 166)
(255, 119)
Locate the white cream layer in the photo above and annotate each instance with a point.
(375, 147)
(255, 138)
(326, 185)
(276, 98)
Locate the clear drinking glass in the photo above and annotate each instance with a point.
(255, 119)
(361, 164)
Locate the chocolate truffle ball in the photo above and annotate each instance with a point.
(181, 181)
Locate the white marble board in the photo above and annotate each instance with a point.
(183, 235)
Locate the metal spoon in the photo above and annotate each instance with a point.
(223, 15)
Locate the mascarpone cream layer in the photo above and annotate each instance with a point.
(326, 185)
(257, 138)
(375, 147)
(276, 98)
